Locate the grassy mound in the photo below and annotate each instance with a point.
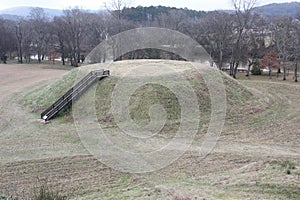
(239, 99)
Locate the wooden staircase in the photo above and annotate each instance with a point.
(74, 93)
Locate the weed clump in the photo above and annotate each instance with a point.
(45, 193)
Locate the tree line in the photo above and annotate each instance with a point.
(237, 38)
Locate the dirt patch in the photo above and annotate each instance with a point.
(14, 78)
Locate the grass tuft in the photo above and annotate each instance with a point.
(45, 193)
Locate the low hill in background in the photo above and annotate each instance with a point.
(276, 9)
(280, 9)
(23, 11)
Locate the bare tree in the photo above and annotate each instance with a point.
(118, 22)
(243, 15)
(24, 39)
(39, 21)
(59, 28)
(216, 34)
(115, 7)
(257, 40)
(20, 40)
(282, 29)
(7, 40)
(75, 21)
(296, 36)
(99, 29)
(174, 19)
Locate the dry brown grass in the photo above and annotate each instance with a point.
(261, 135)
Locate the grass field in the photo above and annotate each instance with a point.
(257, 155)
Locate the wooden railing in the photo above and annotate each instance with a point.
(74, 93)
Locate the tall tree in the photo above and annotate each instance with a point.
(39, 20)
(23, 39)
(99, 29)
(297, 45)
(61, 37)
(283, 29)
(115, 7)
(7, 40)
(243, 17)
(173, 19)
(257, 42)
(216, 34)
(75, 23)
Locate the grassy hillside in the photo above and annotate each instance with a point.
(257, 155)
(239, 99)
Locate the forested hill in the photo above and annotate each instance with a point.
(24, 11)
(143, 14)
(135, 14)
(280, 9)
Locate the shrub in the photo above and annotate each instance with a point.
(256, 70)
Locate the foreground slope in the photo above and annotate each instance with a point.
(257, 156)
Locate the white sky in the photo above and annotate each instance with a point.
(99, 4)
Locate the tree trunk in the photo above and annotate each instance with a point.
(19, 41)
(296, 72)
(20, 53)
(4, 58)
(39, 57)
(221, 60)
(248, 70)
(235, 70)
(20, 57)
(249, 67)
(75, 61)
(231, 66)
(63, 59)
(284, 73)
(62, 49)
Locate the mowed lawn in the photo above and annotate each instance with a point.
(257, 155)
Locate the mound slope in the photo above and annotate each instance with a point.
(239, 100)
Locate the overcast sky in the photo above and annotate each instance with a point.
(99, 4)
